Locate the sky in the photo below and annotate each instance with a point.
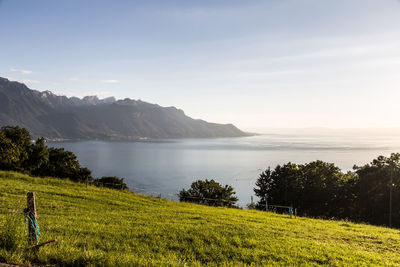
(254, 63)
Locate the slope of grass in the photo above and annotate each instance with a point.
(97, 226)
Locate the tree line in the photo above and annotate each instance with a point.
(370, 193)
(19, 153)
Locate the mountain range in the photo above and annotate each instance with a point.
(90, 118)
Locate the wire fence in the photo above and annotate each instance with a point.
(168, 196)
(175, 197)
(243, 204)
(204, 200)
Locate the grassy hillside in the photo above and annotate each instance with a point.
(106, 227)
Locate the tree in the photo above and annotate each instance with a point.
(21, 140)
(278, 186)
(210, 193)
(9, 153)
(38, 156)
(325, 190)
(111, 182)
(264, 184)
(18, 152)
(375, 181)
(64, 164)
(317, 189)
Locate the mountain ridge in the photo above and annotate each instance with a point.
(70, 118)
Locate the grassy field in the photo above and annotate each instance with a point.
(97, 226)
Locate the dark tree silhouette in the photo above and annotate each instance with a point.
(316, 189)
(38, 156)
(19, 152)
(210, 193)
(373, 190)
(111, 182)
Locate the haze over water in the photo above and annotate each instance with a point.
(165, 167)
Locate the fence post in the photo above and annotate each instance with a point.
(31, 211)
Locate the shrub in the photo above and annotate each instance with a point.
(210, 193)
(111, 182)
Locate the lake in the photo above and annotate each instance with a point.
(166, 166)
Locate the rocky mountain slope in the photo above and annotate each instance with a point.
(59, 117)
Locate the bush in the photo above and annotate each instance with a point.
(209, 193)
(111, 182)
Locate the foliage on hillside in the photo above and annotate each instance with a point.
(19, 153)
(108, 227)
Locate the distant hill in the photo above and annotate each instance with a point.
(60, 117)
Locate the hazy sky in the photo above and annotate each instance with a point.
(257, 64)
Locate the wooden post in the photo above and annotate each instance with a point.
(390, 196)
(31, 210)
(266, 203)
(295, 212)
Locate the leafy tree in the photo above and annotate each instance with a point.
(21, 140)
(38, 156)
(317, 189)
(111, 182)
(325, 190)
(264, 184)
(373, 190)
(210, 193)
(278, 186)
(18, 152)
(63, 164)
(9, 153)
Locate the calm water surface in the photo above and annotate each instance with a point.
(165, 167)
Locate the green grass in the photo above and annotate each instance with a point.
(96, 226)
